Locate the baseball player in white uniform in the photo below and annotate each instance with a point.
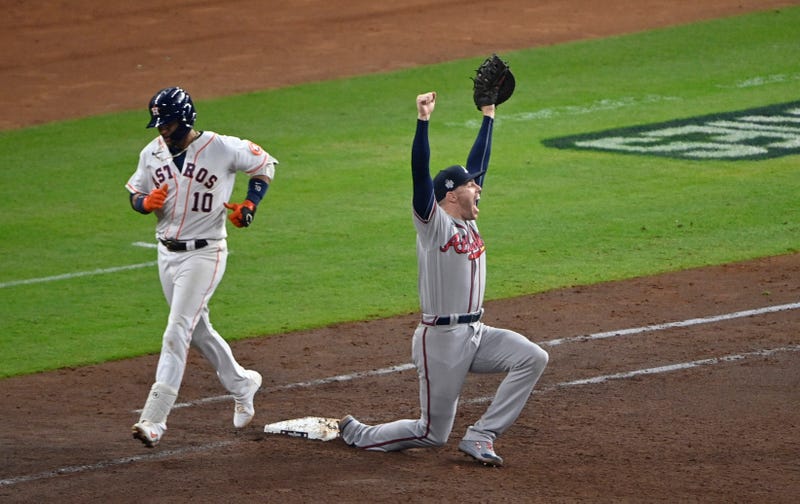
(451, 340)
(186, 177)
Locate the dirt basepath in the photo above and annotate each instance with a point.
(705, 410)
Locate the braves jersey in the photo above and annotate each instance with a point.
(194, 206)
(452, 264)
(450, 252)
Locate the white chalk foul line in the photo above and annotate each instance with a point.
(104, 271)
(655, 370)
(406, 367)
(553, 342)
(161, 454)
(212, 446)
(77, 274)
(306, 384)
(671, 325)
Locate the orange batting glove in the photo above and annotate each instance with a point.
(242, 215)
(155, 200)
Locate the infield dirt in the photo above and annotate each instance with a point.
(723, 430)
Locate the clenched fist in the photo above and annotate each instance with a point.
(242, 215)
(155, 200)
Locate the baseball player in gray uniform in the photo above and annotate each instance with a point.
(186, 177)
(451, 341)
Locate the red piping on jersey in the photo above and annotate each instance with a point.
(427, 219)
(474, 248)
(188, 189)
(474, 273)
(266, 160)
(427, 406)
(212, 137)
(208, 291)
(176, 182)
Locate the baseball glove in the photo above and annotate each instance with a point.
(493, 83)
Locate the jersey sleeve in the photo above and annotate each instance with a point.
(140, 181)
(435, 230)
(478, 159)
(251, 158)
(423, 199)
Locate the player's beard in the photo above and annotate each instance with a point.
(175, 139)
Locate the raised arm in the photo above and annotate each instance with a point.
(478, 159)
(423, 199)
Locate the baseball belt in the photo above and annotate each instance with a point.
(465, 318)
(183, 246)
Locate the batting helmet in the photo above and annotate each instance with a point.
(170, 104)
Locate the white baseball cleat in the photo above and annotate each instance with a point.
(148, 432)
(243, 410)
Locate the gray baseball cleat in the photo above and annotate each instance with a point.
(482, 451)
(344, 423)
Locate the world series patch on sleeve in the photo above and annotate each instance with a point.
(319, 428)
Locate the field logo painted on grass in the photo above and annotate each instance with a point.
(758, 133)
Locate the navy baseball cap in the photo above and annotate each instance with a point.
(450, 178)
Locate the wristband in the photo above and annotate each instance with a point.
(137, 201)
(256, 189)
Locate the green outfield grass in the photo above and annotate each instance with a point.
(333, 241)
